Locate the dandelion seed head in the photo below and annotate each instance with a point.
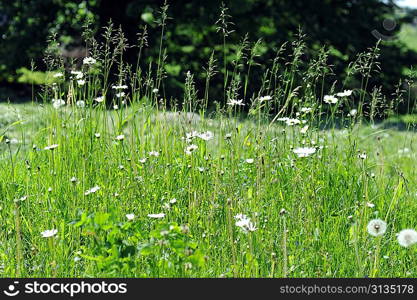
(407, 237)
(58, 103)
(377, 227)
(80, 103)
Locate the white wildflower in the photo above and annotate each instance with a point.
(265, 98)
(304, 129)
(304, 151)
(377, 227)
(58, 75)
(78, 74)
(58, 103)
(330, 99)
(92, 190)
(233, 102)
(51, 147)
(190, 149)
(153, 153)
(245, 223)
(130, 216)
(80, 103)
(345, 93)
(208, 135)
(99, 99)
(89, 61)
(119, 87)
(49, 233)
(353, 112)
(407, 237)
(156, 216)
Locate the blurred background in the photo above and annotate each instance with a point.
(344, 27)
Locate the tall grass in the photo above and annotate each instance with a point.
(102, 176)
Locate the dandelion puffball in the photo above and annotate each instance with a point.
(377, 227)
(407, 237)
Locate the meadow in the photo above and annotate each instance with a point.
(102, 176)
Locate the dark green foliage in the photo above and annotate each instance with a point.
(193, 31)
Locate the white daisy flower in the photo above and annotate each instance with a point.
(245, 223)
(306, 109)
(121, 94)
(58, 75)
(377, 227)
(155, 91)
(89, 61)
(153, 153)
(119, 87)
(407, 237)
(208, 135)
(362, 156)
(120, 137)
(92, 190)
(304, 151)
(330, 99)
(249, 160)
(304, 129)
(81, 82)
(49, 233)
(292, 122)
(130, 216)
(233, 102)
(265, 98)
(51, 147)
(99, 99)
(345, 93)
(190, 149)
(78, 74)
